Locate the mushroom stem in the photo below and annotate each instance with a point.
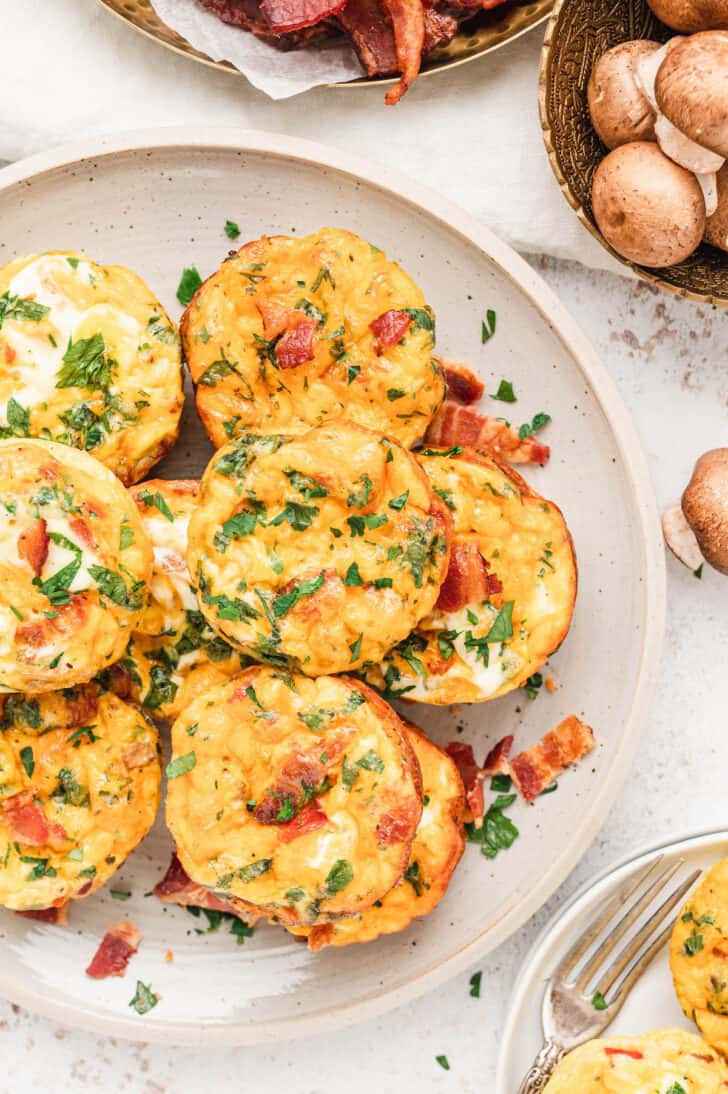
(680, 538)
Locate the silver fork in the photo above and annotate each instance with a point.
(568, 1014)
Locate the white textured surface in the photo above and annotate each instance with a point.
(669, 358)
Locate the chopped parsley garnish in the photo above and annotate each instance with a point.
(294, 895)
(446, 452)
(693, 943)
(475, 984)
(126, 535)
(18, 307)
(308, 487)
(324, 274)
(189, 283)
(412, 875)
(370, 761)
(180, 765)
(359, 497)
(505, 392)
(298, 516)
(400, 501)
(120, 894)
(144, 999)
(69, 791)
(352, 371)
(85, 364)
(598, 1001)
(443, 1062)
(349, 773)
(155, 499)
(339, 876)
(162, 688)
(231, 229)
(285, 601)
(533, 685)
(18, 418)
(57, 586)
(497, 832)
(422, 318)
(358, 524)
(538, 422)
(40, 867)
(114, 588)
(394, 393)
(27, 760)
(352, 576)
(254, 870)
(487, 329)
(355, 648)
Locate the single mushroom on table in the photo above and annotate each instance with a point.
(696, 527)
(620, 111)
(690, 16)
(648, 208)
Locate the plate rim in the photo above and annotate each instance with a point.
(689, 840)
(552, 312)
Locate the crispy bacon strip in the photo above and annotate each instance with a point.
(397, 825)
(467, 580)
(29, 824)
(462, 384)
(117, 947)
(83, 531)
(296, 345)
(297, 773)
(408, 23)
(177, 888)
(439, 28)
(366, 22)
(310, 819)
(33, 545)
(472, 776)
(390, 327)
(632, 1053)
(285, 16)
(57, 914)
(276, 317)
(461, 425)
(537, 768)
(496, 762)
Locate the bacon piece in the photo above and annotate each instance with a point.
(117, 947)
(29, 824)
(390, 327)
(496, 762)
(455, 425)
(33, 545)
(631, 1052)
(472, 777)
(296, 774)
(57, 914)
(397, 825)
(366, 23)
(462, 384)
(296, 345)
(439, 28)
(83, 531)
(176, 887)
(288, 15)
(538, 767)
(10, 354)
(139, 754)
(408, 23)
(41, 633)
(249, 15)
(311, 818)
(276, 317)
(467, 580)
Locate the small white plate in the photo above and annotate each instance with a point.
(652, 1003)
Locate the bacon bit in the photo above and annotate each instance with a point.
(319, 936)
(467, 580)
(390, 327)
(28, 822)
(408, 23)
(462, 384)
(139, 754)
(57, 915)
(82, 530)
(177, 887)
(632, 1053)
(397, 826)
(276, 317)
(117, 947)
(10, 354)
(69, 618)
(168, 955)
(33, 545)
(538, 767)
(439, 28)
(371, 35)
(496, 762)
(288, 15)
(472, 777)
(310, 819)
(300, 769)
(296, 345)
(550, 684)
(455, 424)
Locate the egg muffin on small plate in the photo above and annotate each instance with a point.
(317, 552)
(173, 654)
(508, 598)
(290, 333)
(436, 850)
(79, 789)
(667, 1061)
(293, 798)
(88, 357)
(74, 566)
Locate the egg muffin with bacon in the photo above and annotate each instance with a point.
(668, 1061)
(88, 357)
(290, 333)
(74, 565)
(699, 957)
(436, 850)
(173, 654)
(79, 788)
(508, 598)
(317, 552)
(293, 798)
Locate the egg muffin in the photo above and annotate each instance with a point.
(88, 357)
(508, 598)
(436, 850)
(699, 956)
(667, 1061)
(79, 788)
(173, 654)
(290, 333)
(317, 552)
(74, 566)
(294, 798)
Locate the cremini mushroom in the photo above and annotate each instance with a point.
(691, 90)
(690, 16)
(705, 506)
(620, 111)
(648, 208)
(716, 226)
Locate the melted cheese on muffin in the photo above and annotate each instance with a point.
(290, 333)
(487, 646)
(297, 798)
(74, 566)
(318, 552)
(89, 358)
(79, 788)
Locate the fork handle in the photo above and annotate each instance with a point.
(542, 1068)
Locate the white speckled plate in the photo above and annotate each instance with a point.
(652, 1003)
(157, 201)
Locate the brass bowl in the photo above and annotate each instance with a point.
(486, 32)
(578, 33)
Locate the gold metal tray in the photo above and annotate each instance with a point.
(578, 33)
(487, 31)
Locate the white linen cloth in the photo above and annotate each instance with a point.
(71, 70)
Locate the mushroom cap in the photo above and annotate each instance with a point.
(620, 111)
(705, 505)
(691, 89)
(690, 16)
(648, 208)
(716, 226)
